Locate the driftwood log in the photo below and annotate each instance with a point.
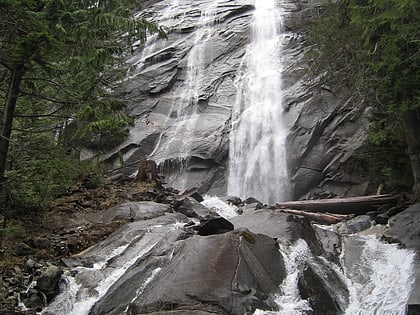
(326, 218)
(351, 205)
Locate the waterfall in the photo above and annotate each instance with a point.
(257, 158)
(181, 123)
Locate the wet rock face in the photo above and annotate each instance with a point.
(48, 281)
(230, 273)
(405, 229)
(326, 124)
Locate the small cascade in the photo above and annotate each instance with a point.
(378, 277)
(380, 280)
(225, 210)
(180, 125)
(77, 299)
(257, 158)
(290, 302)
(165, 18)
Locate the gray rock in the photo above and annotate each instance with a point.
(405, 229)
(192, 208)
(23, 249)
(322, 290)
(357, 224)
(231, 273)
(48, 281)
(135, 211)
(214, 225)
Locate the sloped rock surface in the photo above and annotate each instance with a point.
(327, 125)
(228, 273)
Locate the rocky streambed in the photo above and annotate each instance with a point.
(178, 254)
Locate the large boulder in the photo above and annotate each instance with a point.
(48, 281)
(230, 273)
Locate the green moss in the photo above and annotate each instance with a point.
(248, 237)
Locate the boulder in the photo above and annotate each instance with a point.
(23, 249)
(230, 273)
(354, 225)
(214, 225)
(48, 281)
(191, 208)
(323, 290)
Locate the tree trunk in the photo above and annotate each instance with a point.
(8, 114)
(349, 205)
(6, 130)
(411, 121)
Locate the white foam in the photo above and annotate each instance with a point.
(222, 208)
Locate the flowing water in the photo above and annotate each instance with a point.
(180, 125)
(376, 276)
(257, 157)
(378, 281)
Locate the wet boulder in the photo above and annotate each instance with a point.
(214, 225)
(191, 208)
(230, 273)
(324, 290)
(48, 281)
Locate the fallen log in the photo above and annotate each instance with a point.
(351, 205)
(326, 218)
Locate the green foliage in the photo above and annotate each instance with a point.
(71, 52)
(387, 165)
(372, 46)
(11, 231)
(391, 32)
(337, 48)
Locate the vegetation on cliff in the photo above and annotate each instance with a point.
(373, 47)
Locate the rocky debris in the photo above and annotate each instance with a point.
(28, 290)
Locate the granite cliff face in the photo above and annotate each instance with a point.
(181, 92)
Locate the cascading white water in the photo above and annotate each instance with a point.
(380, 281)
(164, 19)
(290, 302)
(180, 126)
(257, 159)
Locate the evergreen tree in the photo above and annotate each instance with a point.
(373, 46)
(58, 61)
